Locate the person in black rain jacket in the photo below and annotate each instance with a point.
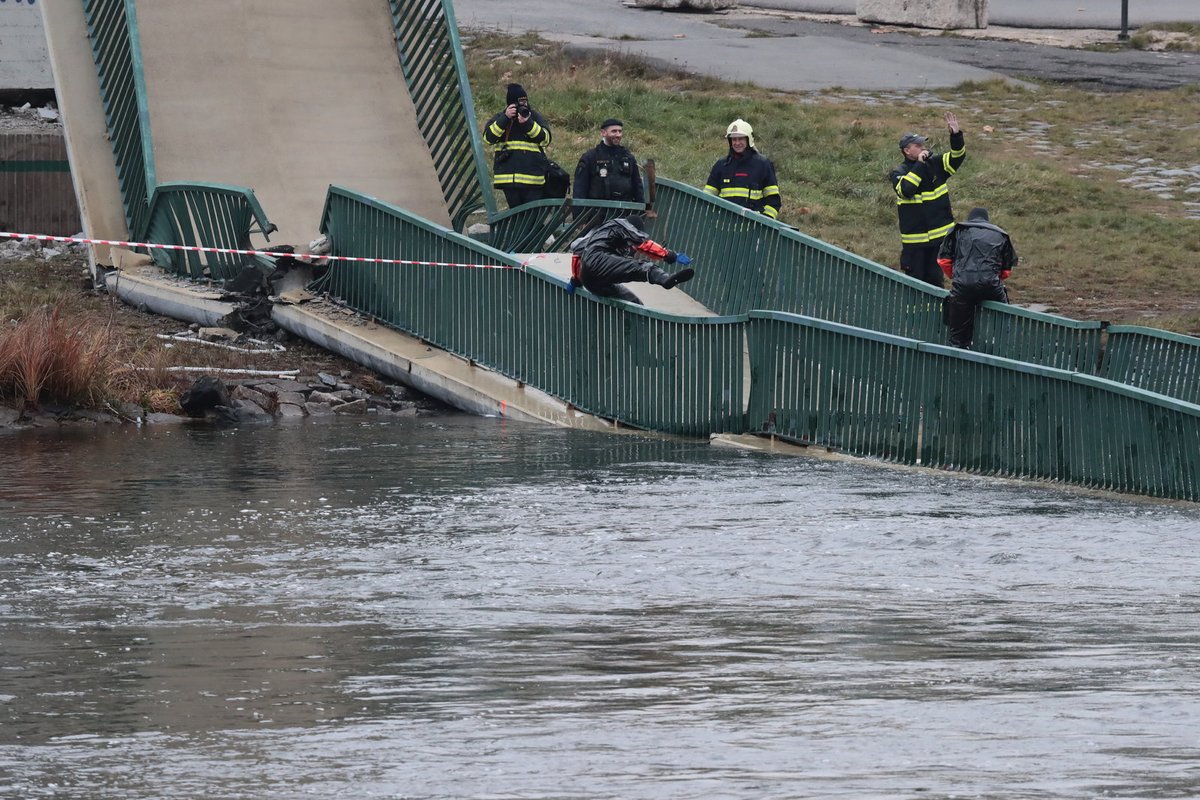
(977, 257)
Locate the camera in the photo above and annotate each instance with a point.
(523, 109)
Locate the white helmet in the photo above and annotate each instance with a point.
(739, 127)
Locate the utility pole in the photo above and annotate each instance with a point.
(1124, 34)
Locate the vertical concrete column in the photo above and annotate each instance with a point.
(24, 60)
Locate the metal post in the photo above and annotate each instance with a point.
(1124, 34)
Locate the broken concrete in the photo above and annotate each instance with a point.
(939, 14)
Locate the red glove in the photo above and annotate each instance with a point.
(1004, 273)
(652, 249)
(947, 267)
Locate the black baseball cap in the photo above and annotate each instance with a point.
(912, 138)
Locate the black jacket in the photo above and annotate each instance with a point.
(520, 157)
(608, 173)
(979, 254)
(748, 180)
(922, 196)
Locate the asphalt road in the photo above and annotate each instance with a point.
(802, 55)
(1103, 14)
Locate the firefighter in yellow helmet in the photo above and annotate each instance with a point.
(745, 176)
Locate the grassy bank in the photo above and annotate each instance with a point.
(1052, 163)
(64, 344)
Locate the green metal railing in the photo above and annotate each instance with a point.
(208, 214)
(642, 368)
(549, 226)
(113, 32)
(747, 261)
(1038, 338)
(871, 394)
(1155, 360)
(432, 62)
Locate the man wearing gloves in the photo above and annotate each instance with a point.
(745, 176)
(923, 200)
(978, 257)
(609, 171)
(603, 259)
(520, 136)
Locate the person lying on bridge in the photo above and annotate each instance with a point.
(604, 259)
(977, 257)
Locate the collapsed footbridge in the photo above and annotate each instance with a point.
(228, 123)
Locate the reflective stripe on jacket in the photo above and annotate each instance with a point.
(923, 196)
(748, 180)
(520, 158)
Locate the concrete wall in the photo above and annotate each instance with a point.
(36, 193)
(941, 14)
(24, 59)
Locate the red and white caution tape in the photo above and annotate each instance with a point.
(229, 251)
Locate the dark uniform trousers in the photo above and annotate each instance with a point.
(603, 273)
(961, 306)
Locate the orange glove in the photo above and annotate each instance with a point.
(652, 249)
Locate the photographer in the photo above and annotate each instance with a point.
(923, 200)
(520, 135)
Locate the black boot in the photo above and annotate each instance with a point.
(683, 276)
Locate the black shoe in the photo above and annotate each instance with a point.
(683, 276)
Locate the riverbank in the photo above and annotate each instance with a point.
(136, 367)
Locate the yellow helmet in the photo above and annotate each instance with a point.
(739, 127)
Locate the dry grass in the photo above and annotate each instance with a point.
(50, 357)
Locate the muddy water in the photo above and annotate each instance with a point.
(460, 607)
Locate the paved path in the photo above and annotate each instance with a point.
(701, 43)
(802, 54)
(1104, 14)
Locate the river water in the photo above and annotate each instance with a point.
(452, 606)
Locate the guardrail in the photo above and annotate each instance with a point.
(747, 261)
(871, 394)
(641, 368)
(432, 62)
(113, 32)
(1155, 360)
(208, 214)
(811, 381)
(549, 226)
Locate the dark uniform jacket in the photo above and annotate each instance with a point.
(978, 254)
(748, 180)
(923, 197)
(520, 157)
(608, 173)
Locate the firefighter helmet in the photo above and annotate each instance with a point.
(739, 127)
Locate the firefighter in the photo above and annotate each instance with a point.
(609, 171)
(923, 200)
(978, 257)
(520, 135)
(745, 176)
(603, 259)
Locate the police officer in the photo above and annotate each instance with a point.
(978, 257)
(604, 259)
(745, 176)
(520, 135)
(923, 200)
(609, 171)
